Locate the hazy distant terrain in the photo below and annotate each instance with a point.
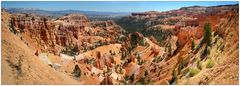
(92, 14)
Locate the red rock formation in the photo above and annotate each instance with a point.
(153, 39)
(155, 51)
(132, 58)
(107, 81)
(38, 30)
(53, 36)
(99, 61)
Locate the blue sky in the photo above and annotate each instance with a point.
(111, 6)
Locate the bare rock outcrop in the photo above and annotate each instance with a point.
(55, 35)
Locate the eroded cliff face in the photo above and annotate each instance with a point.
(181, 33)
(73, 30)
(186, 23)
(20, 64)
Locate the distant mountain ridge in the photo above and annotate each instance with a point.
(64, 12)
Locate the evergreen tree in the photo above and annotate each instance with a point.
(146, 73)
(193, 44)
(207, 34)
(77, 71)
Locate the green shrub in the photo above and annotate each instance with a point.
(145, 73)
(185, 71)
(126, 78)
(71, 51)
(209, 63)
(138, 56)
(122, 38)
(183, 63)
(199, 65)
(124, 55)
(142, 43)
(158, 59)
(193, 71)
(140, 62)
(141, 81)
(174, 74)
(92, 74)
(121, 71)
(21, 30)
(134, 40)
(169, 48)
(206, 52)
(13, 29)
(174, 79)
(132, 77)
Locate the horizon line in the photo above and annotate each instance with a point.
(113, 11)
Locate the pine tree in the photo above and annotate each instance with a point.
(77, 71)
(207, 34)
(146, 73)
(193, 44)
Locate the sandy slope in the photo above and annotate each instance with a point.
(21, 66)
(226, 68)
